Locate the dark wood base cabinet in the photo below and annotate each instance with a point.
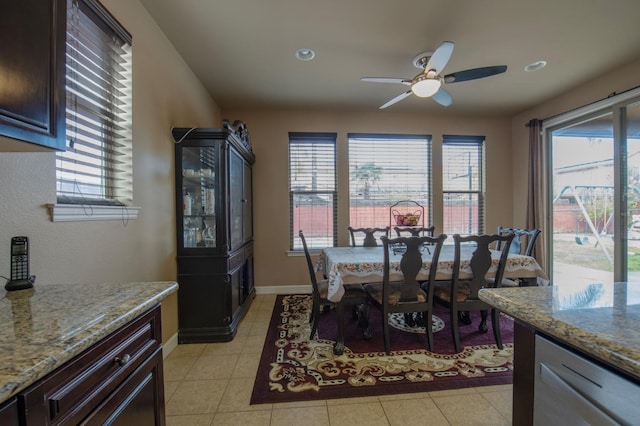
(9, 412)
(215, 294)
(523, 373)
(118, 381)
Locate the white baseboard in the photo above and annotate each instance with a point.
(283, 289)
(168, 347)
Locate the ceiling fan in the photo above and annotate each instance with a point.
(429, 83)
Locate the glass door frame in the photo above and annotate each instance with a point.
(617, 106)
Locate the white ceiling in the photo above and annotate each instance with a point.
(243, 50)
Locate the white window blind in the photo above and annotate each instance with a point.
(96, 168)
(463, 184)
(385, 169)
(312, 189)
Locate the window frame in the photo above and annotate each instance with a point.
(310, 138)
(479, 142)
(428, 167)
(114, 195)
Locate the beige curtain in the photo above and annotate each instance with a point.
(536, 190)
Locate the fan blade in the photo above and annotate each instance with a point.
(396, 99)
(440, 57)
(386, 80)
(442, 97)
(475, 73)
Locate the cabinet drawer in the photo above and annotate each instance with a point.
(130, 403)
(70, 393)
(236, 260)
(9, 413)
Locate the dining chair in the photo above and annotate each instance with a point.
(369, 235)
(462, 294)
(407, 295)
(354, 296)
(409, 317)
(522, 238)
(414, 232)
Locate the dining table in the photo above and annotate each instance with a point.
(350, 265)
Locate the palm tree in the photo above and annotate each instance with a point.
(367, 174)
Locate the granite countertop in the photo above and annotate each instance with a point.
(46, 326)
(602, 320)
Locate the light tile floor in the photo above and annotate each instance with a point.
(211, 384)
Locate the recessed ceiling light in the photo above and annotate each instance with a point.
(305, 54)
(535, 66)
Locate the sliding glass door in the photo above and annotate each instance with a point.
(632, 126)
(595, 196)
(583, 201)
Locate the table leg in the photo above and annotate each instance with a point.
(464, 318)
(338, 347)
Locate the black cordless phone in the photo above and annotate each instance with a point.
(20, 278)
(19, 258)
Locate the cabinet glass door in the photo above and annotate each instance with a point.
(247, 203)
(236, 197)
(198, 197)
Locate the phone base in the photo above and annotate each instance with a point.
(12, 285)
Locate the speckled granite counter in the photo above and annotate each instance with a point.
(44, 327)
(598, 319)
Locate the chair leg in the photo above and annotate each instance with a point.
(315, 316)
(385, 331)
(482, 327)
(429, 329)
(313, 308)
(363, 321)
(409, 319)
(338, 347)
(495, 322)
(464, 317)
(454, 329)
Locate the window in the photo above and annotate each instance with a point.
(385, 169)
(97, 166)
(463, 184)
(312, 189)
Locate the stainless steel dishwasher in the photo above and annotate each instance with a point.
(571, 390)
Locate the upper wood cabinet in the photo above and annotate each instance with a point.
(32, 72)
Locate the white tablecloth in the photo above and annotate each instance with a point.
(346, 265)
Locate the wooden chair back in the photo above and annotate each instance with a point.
(480, 263)
(415, 232)
(312, 269)
(369, 235)
(523, 238)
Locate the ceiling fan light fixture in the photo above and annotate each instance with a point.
(425, 87)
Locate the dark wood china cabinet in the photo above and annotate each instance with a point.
(214, 231)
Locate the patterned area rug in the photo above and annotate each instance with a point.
(295, 368)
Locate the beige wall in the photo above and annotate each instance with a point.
(166, 94)
(269, 136)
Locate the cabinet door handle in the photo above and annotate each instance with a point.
(122, 361)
